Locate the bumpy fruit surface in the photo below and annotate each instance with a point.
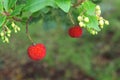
(75, 31)
(37, 52)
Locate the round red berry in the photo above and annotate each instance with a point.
(37, 51)
(75, 31)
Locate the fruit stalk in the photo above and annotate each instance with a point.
(27, 31)
(71, 18)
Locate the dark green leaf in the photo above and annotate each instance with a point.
(36, 5)
(17, 10)
(2, 20)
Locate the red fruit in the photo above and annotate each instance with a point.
(37, 51)
(75, 31)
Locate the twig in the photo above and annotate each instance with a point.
(78, 3)
(17, 19)
(27, 31)
(71, 18)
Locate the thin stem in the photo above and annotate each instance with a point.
(17, 19)
(78, 3)
(27, 31)
(71, 18)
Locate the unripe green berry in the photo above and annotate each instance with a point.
(97, 7)
(2, 33)
(80, 18)
(13, 24)
(18, 28)
(106, 22)
(94, 32)
(9, 31)
(101, 18)
(81, 24)
(6, 40)
(101, 22)
(98, 13)
(15, 30)
(86, 19)
(8, 35)
(101, 26)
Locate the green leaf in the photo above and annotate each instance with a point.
(11, 3)
(36, 5)
(1, 6)
(87, 7)
(17, 10)
(5, 4)
(64, 4)
(93, 23)
(2, 20)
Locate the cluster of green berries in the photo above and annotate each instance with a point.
(101, 20)
(15, 27)
(6, 32)
(84, 20)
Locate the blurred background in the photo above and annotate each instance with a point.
(86, 58)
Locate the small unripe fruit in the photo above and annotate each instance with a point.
(2, 33)
(15, 30)
(82, 24)
(106, 22)
(37, 52)
(101, 22)
(9, 31)
(8, 35)
(97, 7)
(94, 32)
(86, 19)
(75, 31)
(98, 13)
(6, 40)
(101, 18)
(101, 26)
(18, 28)
(80, 18)
(13, 24)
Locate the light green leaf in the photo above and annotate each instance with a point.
(93, 23)
(64, 4)
(11, 3)
(1, 6)
(36, 5)
(5, 4)
(2, 20)
(87, 7)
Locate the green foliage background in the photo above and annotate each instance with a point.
(94, 56)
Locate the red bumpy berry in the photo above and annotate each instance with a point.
(37, 51)
(75, 31)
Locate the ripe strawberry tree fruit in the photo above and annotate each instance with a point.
(75, 31)
(36, 52)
